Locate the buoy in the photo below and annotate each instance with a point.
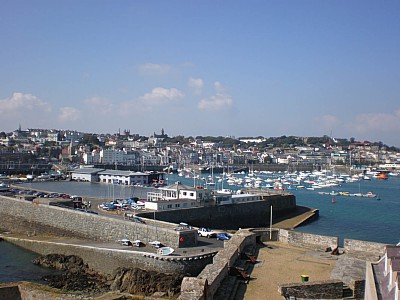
(333, 200)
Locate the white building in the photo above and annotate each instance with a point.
(52, 136)
(177, 196)
(91, 157)
(110, 176)
(86, 174)
(111, 156)
(224, 199)
(171, 204)
(123, 177)
(150, 159)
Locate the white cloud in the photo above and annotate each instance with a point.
(328, 122)
(20, 102)
(377, 122)
(196, 84)
(69, 114)
(161, 96)
(219, 87)
(99, 105)
(220, 101)
(154, 69)
(158, 98)
(216, 102)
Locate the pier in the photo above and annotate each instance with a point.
(301, 216)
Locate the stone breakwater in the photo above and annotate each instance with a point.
(232, 216)
(107, 260)
(18, 215)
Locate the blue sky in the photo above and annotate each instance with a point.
(230, 68)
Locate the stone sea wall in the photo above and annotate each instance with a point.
(231, 216)
(106, 261)
(206, 284)
(305, 240)
(30, 291)
(354, 246)
(19, 214)
(328, 289)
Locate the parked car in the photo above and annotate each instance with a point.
(206, 232)
(138, 220)
(223, 236)
(183, 226)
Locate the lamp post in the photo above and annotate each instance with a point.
(270, 226)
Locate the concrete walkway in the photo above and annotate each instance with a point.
(302, 214)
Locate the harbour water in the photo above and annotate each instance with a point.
(359, 218)
(16, 265)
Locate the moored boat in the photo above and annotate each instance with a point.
(165, 251)
(382, 174)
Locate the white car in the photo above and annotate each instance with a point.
(206, 232)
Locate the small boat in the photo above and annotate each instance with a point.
(369, 195)
(125, 242)
(137, 243)
(382, 174)
(165, 251)
(155, 244)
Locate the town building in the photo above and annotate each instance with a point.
(177, 196)
(86, 174)
(123, 177)
(113, 176)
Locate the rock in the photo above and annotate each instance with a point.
(140, 282)
(61, 262)
(77, 276)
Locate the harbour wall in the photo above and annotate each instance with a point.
(106, 261)
(30, 291)
(328, 289)
(307, 240)
(17, 215)
(231, 216)
(206, 284)
(355, 246)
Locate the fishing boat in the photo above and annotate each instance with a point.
(369, 195)
(165, 251)
(383, 174)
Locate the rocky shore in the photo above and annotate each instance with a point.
(75, 275)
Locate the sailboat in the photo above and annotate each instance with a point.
(211, 182)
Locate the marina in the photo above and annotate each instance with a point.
(361, 216)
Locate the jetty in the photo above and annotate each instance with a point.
(301, 216)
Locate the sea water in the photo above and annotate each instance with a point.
(16, 265)
(370, 219)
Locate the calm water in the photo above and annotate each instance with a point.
(357, 217)
(348, 217)
(16, 265)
